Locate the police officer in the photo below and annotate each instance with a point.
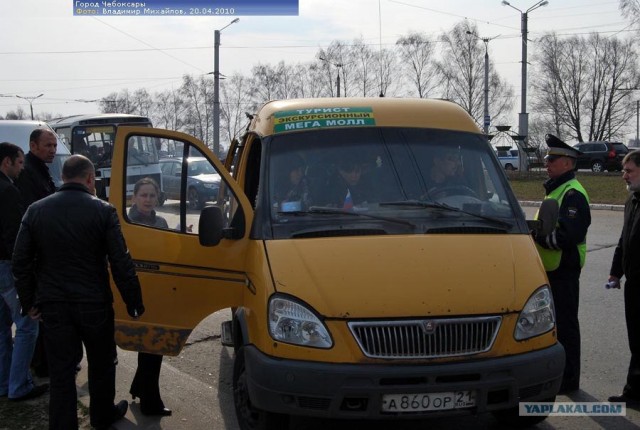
(563, 251)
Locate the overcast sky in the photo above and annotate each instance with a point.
(44, 49)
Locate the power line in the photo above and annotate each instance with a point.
(148, 44)
(314, 46)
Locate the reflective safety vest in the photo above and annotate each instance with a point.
(551, 257)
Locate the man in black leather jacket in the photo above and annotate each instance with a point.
(60, 265)
(35, 183)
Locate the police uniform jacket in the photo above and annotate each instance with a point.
(625, 257)
(574, 219)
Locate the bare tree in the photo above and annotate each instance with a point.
(386, 72)
(417, 61)
(236, 102)
(198, 94)
(310, 77)
(117, 102)
(169, 110)
(462, 71)
(580, 85)
(265, 83)
(141, 102)
(631, 9)
(19, 113)
(363, 63)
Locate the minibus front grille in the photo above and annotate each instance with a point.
(426, 338)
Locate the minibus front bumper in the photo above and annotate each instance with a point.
(357, 390)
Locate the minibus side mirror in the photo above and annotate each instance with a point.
(547, 218)
(210, 230)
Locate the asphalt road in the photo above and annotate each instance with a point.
(197, 384)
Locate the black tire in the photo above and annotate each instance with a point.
(195, 199)
(509, 167)
(249, 417)
(511, 418)
(597, 166)
(161, 199)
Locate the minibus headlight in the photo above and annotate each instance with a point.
(538, 315)
(292, 322)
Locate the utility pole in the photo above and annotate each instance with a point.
(338, 66)
(523, 118)
(30, 100)
(216, 88)
(486, 40)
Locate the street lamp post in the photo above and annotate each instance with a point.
(523, 118)
(216, 88)
(338, 66)
(30, 100)
(486, 40)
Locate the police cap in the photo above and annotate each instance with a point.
(557, 148)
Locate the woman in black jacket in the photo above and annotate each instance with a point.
(145, 383)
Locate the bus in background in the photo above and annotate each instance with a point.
(94, 135)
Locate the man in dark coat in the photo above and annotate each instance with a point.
(625, 263)
(35, 183)
(69, 287)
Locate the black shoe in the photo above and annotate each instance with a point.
(622, 398)
(119, 411)
(36, 391)
(134, 393)
(153, 407)
(161, 411)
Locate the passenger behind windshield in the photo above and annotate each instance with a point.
(446, 176)
(291, 186)
(348, 186)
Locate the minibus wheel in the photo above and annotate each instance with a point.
(250, 417)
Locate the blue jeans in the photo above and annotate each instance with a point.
(15, 355)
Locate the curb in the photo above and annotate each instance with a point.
(594, 206)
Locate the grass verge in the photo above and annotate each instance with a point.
(603, 188)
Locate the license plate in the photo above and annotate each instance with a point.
(421, 402)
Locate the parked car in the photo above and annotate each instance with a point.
(203, 182)
(510, 159)
(601, 156)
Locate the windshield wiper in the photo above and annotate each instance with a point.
(436, 205)
(323, 210)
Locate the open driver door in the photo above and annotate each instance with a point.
(190, 260)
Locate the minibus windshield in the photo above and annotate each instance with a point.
(430, 179)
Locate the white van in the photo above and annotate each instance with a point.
(18, 132)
